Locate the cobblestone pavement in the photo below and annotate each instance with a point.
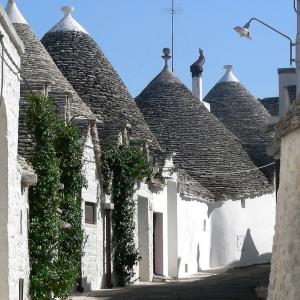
(233, 284)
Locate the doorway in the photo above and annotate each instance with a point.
(143, 239)
(158, 244)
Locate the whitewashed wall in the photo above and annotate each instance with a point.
(194, 234)
(242, 231)
(197, 235)
(93, 259)
(13, 245)
(149, 203)
(285, 267)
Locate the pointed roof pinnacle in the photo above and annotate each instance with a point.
(68, 10)
(68, 23)
(228, 76)
(14, 13)
(166, 56)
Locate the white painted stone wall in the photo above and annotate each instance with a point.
(94, 257)
(242, 231)
(13, 245)
(194, 234)
(285, 267)
(199, 236)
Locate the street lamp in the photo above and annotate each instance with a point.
(245, 32)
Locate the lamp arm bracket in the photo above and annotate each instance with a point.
(272, 28)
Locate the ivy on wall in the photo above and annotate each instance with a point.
(55, 235)
(122, 168)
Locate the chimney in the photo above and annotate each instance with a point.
(197, 70)
(287, 80)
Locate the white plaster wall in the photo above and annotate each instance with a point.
(193, 237)
(13, 245)
(285, 267)
(198, 235)
(93, 260)
(172, 208)
(157, 204)
(242, 233)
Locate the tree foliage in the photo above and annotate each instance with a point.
(55, 234)
(123, 167)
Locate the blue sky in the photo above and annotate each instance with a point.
(132, 34)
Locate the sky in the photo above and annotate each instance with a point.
(132, 34)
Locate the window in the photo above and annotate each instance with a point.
(90, 213)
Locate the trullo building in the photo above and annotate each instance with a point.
(239, 231)
(244, 116)
(208, 208)
(16, 175)
(43, 76)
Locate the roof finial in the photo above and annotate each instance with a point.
(228, 76)
(68, 23)
(166, 55)
(14, 13)
(67, 10)
(228, 68)
(197, 67)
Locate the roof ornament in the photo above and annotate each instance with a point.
(14, 13)
(229, 76)
(197, 67)
(166, 56)
(67, 10)
(68, 23)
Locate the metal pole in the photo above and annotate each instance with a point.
(298, 48)
(279, 32)
(173, 12)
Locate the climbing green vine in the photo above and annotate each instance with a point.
(123, 167)
(55, 234)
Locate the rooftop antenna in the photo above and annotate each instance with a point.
(173, 11)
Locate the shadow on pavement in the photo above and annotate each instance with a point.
(237, 284)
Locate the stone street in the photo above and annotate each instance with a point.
(232, 284)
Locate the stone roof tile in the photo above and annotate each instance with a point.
(204, 148)
(246, 117)
(91, 74)
(38, 68)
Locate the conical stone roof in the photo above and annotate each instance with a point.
(39, 69)
(208, 151)
(91, 74)
(244, 115)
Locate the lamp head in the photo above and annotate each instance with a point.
(244, 31)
